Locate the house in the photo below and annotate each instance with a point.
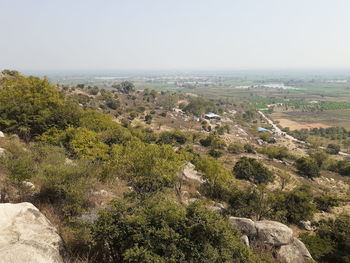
(212, 116)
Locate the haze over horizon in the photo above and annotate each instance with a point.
(174, 35)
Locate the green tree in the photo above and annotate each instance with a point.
(199, 106)
(125, 87)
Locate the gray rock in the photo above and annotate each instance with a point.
(215, 209)
(246, 225)
(101, 192)
(189, 173)
(29, 185)
(27, 236)
(245, 240)
(306, 225)
(2, 151)
(220, 205)
(2, 135)
(295, 252)
(288, 248)
(273, 233)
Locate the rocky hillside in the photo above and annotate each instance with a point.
(128, 175)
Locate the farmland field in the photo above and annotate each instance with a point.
(300, 120)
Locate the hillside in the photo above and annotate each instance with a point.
(135, 175)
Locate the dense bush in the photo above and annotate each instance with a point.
(148, 168)
(267, 137)
(308, 167)
(294, 206)
(215, 153)
(326, 202)
(278, 152)
(214, 141)
(161, 231)
(199, 106)
(252, 170)
(218, 180)
(333, 148)
(173, 138)
(29, 106)
(235, 148)
(125, 87)
(331, 242)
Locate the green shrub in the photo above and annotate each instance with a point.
(326, 202)
(85, 143)
(333, 149)
(19, 163)
(308, 167)
(66, 185)
(161, 231)
(172, 138)
(278, 152)
(331, 242)
(215, 153)
(317, 246)
(148, 168)
(217, 178)
(252, 170)
(29, 106)
(249, 148)
(235, 148)
(214, 141)
(294, 206)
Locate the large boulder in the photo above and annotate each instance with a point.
(295, 252)
(26, 235)
(273, 233)
(287, 248)
(246, 225)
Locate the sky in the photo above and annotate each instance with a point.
(54, 35)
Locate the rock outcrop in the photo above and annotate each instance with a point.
(296, 252)
(190, 173)
(273, 233)
(26, 235)
(288, 248)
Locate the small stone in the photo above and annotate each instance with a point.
(100, 192)
(245, 240)
(306, 225)
(2, 151)
(29, 185)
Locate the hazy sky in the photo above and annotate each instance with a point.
(174, 34)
